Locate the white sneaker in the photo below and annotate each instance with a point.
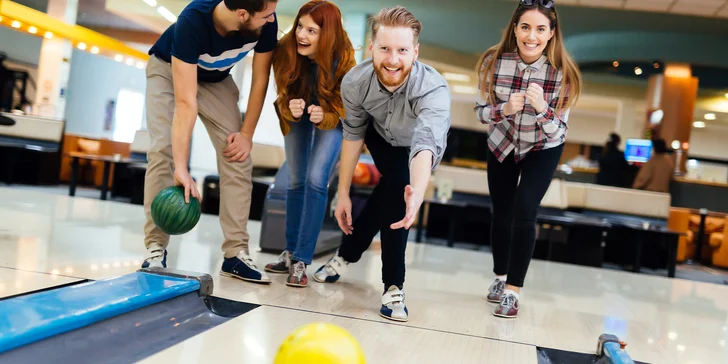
(393, 306)
(156, 257)
(332, 270)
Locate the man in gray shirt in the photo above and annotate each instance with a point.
(400, 108)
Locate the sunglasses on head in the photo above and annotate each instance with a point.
(543, 3)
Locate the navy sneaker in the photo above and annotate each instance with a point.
(332, 270)
(156, 257)
(393, 306)
(243, 267)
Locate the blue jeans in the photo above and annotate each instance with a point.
(311, 154)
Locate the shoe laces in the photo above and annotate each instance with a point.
(508, 301)
(299, 269)
(284, 256)
(497, 287)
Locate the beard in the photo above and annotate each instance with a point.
(389, 80)
(246, 32)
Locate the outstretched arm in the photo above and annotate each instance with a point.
(428, 146)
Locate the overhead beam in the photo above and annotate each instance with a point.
(124, 35)
(44, 25)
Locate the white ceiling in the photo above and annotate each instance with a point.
(706, 8)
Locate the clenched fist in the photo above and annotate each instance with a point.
(317, 114)
(534, 95)
(297, 106)
(515, 103)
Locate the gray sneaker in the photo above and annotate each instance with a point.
(495, 292)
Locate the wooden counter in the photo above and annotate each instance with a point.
(88, 145)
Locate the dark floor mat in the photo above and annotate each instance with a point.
(555, 356)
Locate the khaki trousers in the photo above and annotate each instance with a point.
(217, 105)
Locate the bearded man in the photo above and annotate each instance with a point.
(188, 75)
(400, 108)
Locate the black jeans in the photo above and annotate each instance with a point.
(515, 206)
(384, 207)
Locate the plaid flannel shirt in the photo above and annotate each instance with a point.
(525, 130)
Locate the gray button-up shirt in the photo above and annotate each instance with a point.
(416, 116)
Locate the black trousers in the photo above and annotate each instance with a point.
(384, 207)
(515, 206)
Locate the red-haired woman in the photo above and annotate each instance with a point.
(309, 64)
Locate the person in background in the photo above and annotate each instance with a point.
(612, 164)
(309, 65)
(528, 83)
(657, 173)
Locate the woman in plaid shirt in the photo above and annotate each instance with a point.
(528, 83)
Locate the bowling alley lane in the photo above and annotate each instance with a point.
(256, 336)
(14, 282)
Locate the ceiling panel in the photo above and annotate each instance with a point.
(648, 5)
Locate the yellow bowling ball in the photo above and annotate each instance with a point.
(321, 344)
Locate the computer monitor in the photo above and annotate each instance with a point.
(638, 150)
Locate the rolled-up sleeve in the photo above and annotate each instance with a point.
(354, 125)
(433, 124)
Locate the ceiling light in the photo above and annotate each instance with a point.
(82, 46)
(637, 71)
(130, 62)
(450, 76)
(615, 64)
(699, 124)
(675, 145)
(140, 65)
(16, 24)
(95, 50)
(167, 14)
(48, 35)
(709, 116)
(151, 2)
(119, 58)
(32, 30)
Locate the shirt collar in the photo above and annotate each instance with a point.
(535, 66)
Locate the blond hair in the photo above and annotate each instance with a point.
(396, 17)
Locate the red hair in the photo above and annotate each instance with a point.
(290, 68)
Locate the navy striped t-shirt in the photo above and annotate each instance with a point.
(193, 39)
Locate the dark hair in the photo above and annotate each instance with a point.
(612, 143)
(251, 6)
(660, 146)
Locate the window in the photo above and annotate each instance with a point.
(128, 115)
